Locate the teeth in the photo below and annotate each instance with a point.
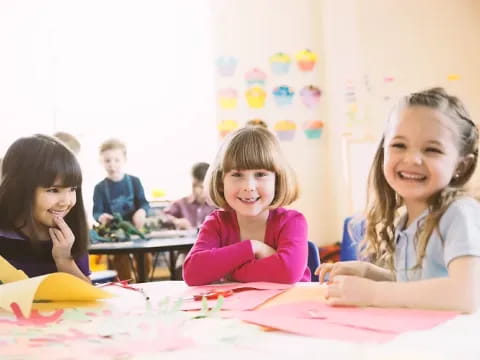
(412, 176)
(248, 200)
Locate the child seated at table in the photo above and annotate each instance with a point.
(120, 193)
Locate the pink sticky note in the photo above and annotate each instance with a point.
(240, 300)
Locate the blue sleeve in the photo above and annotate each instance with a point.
(460, 229)
(140, 200)
(98, 201)
(83, 265)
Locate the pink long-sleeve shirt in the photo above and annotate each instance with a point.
(218, 251)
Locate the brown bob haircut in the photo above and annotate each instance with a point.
(38, 161)
(249, 148)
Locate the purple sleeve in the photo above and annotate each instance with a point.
(174, 209)
(83, 265)
(207, 261)
(288, 264)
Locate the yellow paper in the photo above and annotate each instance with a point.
(51, 287)
(8, 273)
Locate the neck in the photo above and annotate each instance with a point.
(116, 177)
(414, 210)
(38, 233)
(253, 221)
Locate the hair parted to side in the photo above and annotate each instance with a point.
(69, 140)
(199, 170)
(383, 202)
(40, 161)
(249, 148)
(113, 144)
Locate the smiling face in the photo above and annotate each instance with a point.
(421, 154)
(249, 192)
(50, 202)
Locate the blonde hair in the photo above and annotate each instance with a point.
(69, 140)
(383, 202)
(113, 144)
(248, 148)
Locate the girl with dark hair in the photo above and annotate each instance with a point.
(43, 227)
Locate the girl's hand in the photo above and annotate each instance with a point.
(355, 268)
(350, 290)
(62, 239)
(262, 250)
(105, 218)
(182, 224)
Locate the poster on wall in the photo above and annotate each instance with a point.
(280, 63)
(306, 60)
(227, 98)
(310, 95)
(283, 95)
(285, 130)
(255, 77)
(256, 97)
(313, 129)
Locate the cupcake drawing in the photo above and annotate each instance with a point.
(256, 97)
(226, 65)
(285, 130)
(280, 63)
(313, 129)
(310, 95)
(283, 95)
(226, 126)
(306, 60)
(227, 98)
(255, 77)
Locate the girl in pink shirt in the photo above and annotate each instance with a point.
(251, 237)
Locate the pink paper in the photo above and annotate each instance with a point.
(240, 300)
(260, 285)
(312, 327)
(379, 319)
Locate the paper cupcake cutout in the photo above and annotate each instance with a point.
(313, 129)
(310, 95)
(306, 60)
(283, 95)
(226, 65)
(255, 77)
(285, 130)
(226, 126)
(256, 97)
(227, 98)
(257, 122)
(280, 63)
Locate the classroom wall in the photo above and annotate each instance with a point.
(370, 52)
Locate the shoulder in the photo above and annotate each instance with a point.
(100, 185)
(11, 235)
(134, 179)
(462, 209)
(283, 214)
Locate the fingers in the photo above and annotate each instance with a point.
(323, 270)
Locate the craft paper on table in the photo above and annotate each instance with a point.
(283, 95)
(52, 287)
(310, 327)
(258, 285)
(227, 98)
(255, 76)
(240, 300)
(280, 63)
(8, 273)
(226, 126)
(310, 95)
(285, 130)
(256, 97)
(306, 60)
(313, 129)
(226, 65)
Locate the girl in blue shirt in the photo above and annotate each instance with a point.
(43, 227)
(422, 229)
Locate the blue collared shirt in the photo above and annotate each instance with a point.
(458, 235)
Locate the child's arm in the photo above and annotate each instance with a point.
(356, 268)
(207, 261)
(175, 215)
(460, 291)
(140, 200)
(289, 262)
(139, 218)
(100, 212)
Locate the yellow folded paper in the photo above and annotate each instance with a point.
(51, 287)
(8, 273)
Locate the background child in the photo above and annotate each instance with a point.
(119, 193)
(427, 154)
(42, 217)
(69, 140)
(190, 211)
(252, 238)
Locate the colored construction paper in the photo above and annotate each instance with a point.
(259, 285)
(240, 300)
(51, 287)
(8, 273)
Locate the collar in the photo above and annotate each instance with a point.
(9, 234)
(412, 228)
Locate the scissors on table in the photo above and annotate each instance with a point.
(210, 295)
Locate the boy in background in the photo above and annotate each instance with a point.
(120, 193)
(190, 211)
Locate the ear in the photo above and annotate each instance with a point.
(464, 165)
